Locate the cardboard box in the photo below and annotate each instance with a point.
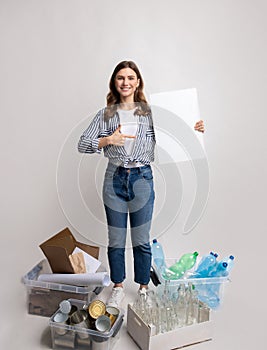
(178, 338)
(43, 298)
(58, 248)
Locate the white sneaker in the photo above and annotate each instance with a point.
(116, 297)
(143, 292)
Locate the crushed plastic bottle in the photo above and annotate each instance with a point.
(177, 270)
(205, 266)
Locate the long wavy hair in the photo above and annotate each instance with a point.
(113, 97)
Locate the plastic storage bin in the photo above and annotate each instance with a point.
(43, 298)
(210, 290)
(66, 336)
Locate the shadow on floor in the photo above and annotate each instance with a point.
(46, 338)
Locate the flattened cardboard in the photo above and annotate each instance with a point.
(58, 248)
(77, 262)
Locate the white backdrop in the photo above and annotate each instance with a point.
(55, 63)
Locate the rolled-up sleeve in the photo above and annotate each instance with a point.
(150, 130)
(89, 140)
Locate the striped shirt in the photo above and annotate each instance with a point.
(144, 146)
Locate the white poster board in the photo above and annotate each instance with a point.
(184, 104)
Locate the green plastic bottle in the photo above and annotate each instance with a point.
(186, 262)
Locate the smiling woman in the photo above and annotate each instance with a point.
(126, 83)
(126, 86)
(124, 130)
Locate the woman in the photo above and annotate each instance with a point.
(124, 130)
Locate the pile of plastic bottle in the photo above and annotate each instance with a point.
(208, 268)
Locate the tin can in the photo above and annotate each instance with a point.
(113, 313)
(103, 323)
(66, 341)
(66, 307)
(80, 322)
(61, 320)
(96, 308)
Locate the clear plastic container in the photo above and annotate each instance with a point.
(65, 336)
(43, 298)
(210, 289)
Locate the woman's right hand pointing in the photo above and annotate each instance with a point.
(117, 138)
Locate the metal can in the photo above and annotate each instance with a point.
(103, 323)
(113, 313)
(96, 308)
(80, 322)
(66, 307)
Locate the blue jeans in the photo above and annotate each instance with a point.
(129, 192)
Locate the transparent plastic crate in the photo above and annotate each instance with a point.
(43, 298)
(210, 290)
(68, 337)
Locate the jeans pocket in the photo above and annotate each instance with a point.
(147, 175)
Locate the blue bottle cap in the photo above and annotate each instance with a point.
(155, 240)
(224, 264)
(231, 257)
(214, 254)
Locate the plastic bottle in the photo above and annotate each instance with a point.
(186, 262)
(205, 266)
(158, 254)
(210, 293)
(230, 262)
(207, 262)
(220, 271)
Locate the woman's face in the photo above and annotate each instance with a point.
(126, 83)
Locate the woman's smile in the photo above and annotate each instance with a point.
(126, 82)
